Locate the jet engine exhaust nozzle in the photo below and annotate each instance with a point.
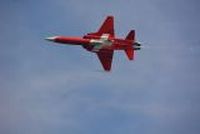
(137, 46)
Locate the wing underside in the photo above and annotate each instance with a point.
(106, 28)
(105, 57)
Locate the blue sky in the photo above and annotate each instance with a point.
(50, 88)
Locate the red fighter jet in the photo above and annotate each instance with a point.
(103, 43)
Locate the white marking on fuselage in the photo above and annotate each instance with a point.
(104, 36)
(100, 43)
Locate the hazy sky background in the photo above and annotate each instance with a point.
(46, 88)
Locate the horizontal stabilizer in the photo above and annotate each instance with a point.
(131, 35)
(130, 53)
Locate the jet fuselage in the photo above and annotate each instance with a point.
(103, 43)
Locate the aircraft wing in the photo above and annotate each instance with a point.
(106, 28)
(105, 56)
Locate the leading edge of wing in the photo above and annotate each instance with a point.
(105, 56)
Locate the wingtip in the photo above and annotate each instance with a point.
(110, 16)
(107, 70)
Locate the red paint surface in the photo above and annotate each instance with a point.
(105, 54)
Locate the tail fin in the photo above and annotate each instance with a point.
(130, 50)
(131, 35)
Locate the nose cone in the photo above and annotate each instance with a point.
(51, 38)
